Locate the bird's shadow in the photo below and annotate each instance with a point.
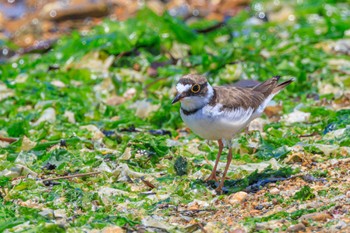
(254, 181)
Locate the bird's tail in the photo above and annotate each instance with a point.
(280, 86)
(271, 86)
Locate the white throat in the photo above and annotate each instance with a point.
(195, 102)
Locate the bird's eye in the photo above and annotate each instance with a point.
(195, 88)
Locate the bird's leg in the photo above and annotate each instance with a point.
(213, 172)
(229, 159)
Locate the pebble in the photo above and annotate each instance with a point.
(274, 191)
(348, 194)
(210, 227)
(113, 229)
(321, 217)
(339, 226)
(296, 228)
(274, 201)
(197, 204)
(238, 197)
(60, 213)
(48, 213)
(238, 230)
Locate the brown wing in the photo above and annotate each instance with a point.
(235, 97)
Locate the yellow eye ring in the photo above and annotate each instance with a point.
(195, 88)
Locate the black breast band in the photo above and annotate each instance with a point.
(190, 112)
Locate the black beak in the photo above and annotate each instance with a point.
(177, 98)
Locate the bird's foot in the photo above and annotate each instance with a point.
(219, 190)
(212, 177)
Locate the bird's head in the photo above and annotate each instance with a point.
(193, 91)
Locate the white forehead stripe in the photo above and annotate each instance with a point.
(183, 88)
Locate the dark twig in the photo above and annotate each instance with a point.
(122, 54)
(9, 140)
(212, 28)
(147, 183)
(147, 193)
(341, 71)
(152, 83)
(192, 212)
(42, 46)
(72, 176)
(309, 135)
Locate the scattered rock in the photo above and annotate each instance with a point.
(274, 201)
(334, 134)
(238, 197)
(17, 170)
(106, 192)
(171, 142)
(155, 221)
(273, 110)
(5, 92)
(197, 204)
(48, 115)
(4, 144)
(124, 173)
(298, 157)
(26, 158)
(286, 13)
(130, 93)
(21, 227)
(326, 89)
(270, 225)
(339, 226)
(60, 213)
(27, 144)
(70, 116)
(348, 194)
(327, 149)
(58, 83)
(34, 204)
(296, 228)
(96, 133)
(42, 104)
(296, 116)
(104, 167)
(144, 108)
(211, 227)
(341, 46)
(320, 217)
(58, 13)
(257, 124)
(127, 154)
(179, 51)
(274, 191)
(47, 213)
(238, 230)
(115, 100)
(96, 63)
(113, 229)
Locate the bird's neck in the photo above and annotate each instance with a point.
(193, 103)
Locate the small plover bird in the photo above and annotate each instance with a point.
(221, 112)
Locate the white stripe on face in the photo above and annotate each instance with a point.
(183, 88)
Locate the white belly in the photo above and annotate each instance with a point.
(213, 124)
